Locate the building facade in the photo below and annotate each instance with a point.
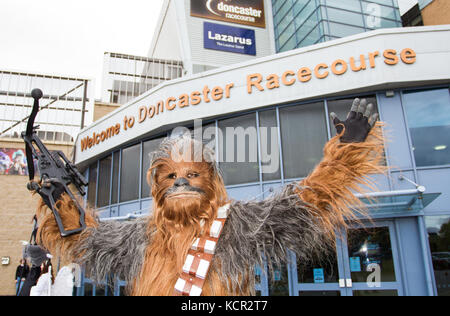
(284, 101)
(436, 12)
(427, 12)
(126, 77)
(300, 23)
(205, 35)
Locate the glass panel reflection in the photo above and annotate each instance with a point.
(319, 293)
(375, 293)
(88, 289)
(428, 114)
(369, 251)
(303, 135)
(269, 146)
(148, 147)
(438, 228)
(238, 149)
(129, 177)
(319, 271)
(122, 291)
(92, 187)
(115, 177)
(104, 180)
(280, 284)
(100, 290)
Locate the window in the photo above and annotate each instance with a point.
(88, 289)
(104, 182)
(238, 149)
(342, 16)
(341, 30)
(303, 135)
(129, 175)
(148, 148)
(438, 228)
(428, 114)
(269, 146)
(352, 5)
(115, 178)
(319, 271)
(92, 186)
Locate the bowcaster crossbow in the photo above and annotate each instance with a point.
(55, 170)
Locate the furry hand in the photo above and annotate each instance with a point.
(55, 188)
(358, 124)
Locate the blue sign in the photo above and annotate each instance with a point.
(229, 39)
(277, 275)
(319, 276)
(355, 264)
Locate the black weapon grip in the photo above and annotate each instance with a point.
(30, 161)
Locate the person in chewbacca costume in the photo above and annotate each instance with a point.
(199, 242)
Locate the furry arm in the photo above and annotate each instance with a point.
(304, 216)
(104, 247)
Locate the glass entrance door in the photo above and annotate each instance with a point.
(319, 277)
(365, 264)
(370, 261)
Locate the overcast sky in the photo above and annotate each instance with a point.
(70, 37)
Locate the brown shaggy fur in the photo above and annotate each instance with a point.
(48, 234)
(344, 171)
(175, 222)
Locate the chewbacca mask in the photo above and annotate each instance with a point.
(188, 191)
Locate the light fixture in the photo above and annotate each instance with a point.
(440, 147)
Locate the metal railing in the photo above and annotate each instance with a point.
(126, 77)
(63, 108)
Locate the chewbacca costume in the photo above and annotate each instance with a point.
(149, 253)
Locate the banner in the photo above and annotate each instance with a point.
(13, 162)
(229, 39)
(247, 12)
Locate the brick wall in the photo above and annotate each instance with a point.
(17, 207)
(102, 109)
(436, 13)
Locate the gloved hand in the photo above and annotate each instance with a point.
(358, 124)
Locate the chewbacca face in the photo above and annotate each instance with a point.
(185, 190)
(182, 181)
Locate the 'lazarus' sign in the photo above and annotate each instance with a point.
(229, 39)
(247, 12)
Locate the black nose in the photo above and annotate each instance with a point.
(181, 182)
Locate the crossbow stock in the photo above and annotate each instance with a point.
(55, 170)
